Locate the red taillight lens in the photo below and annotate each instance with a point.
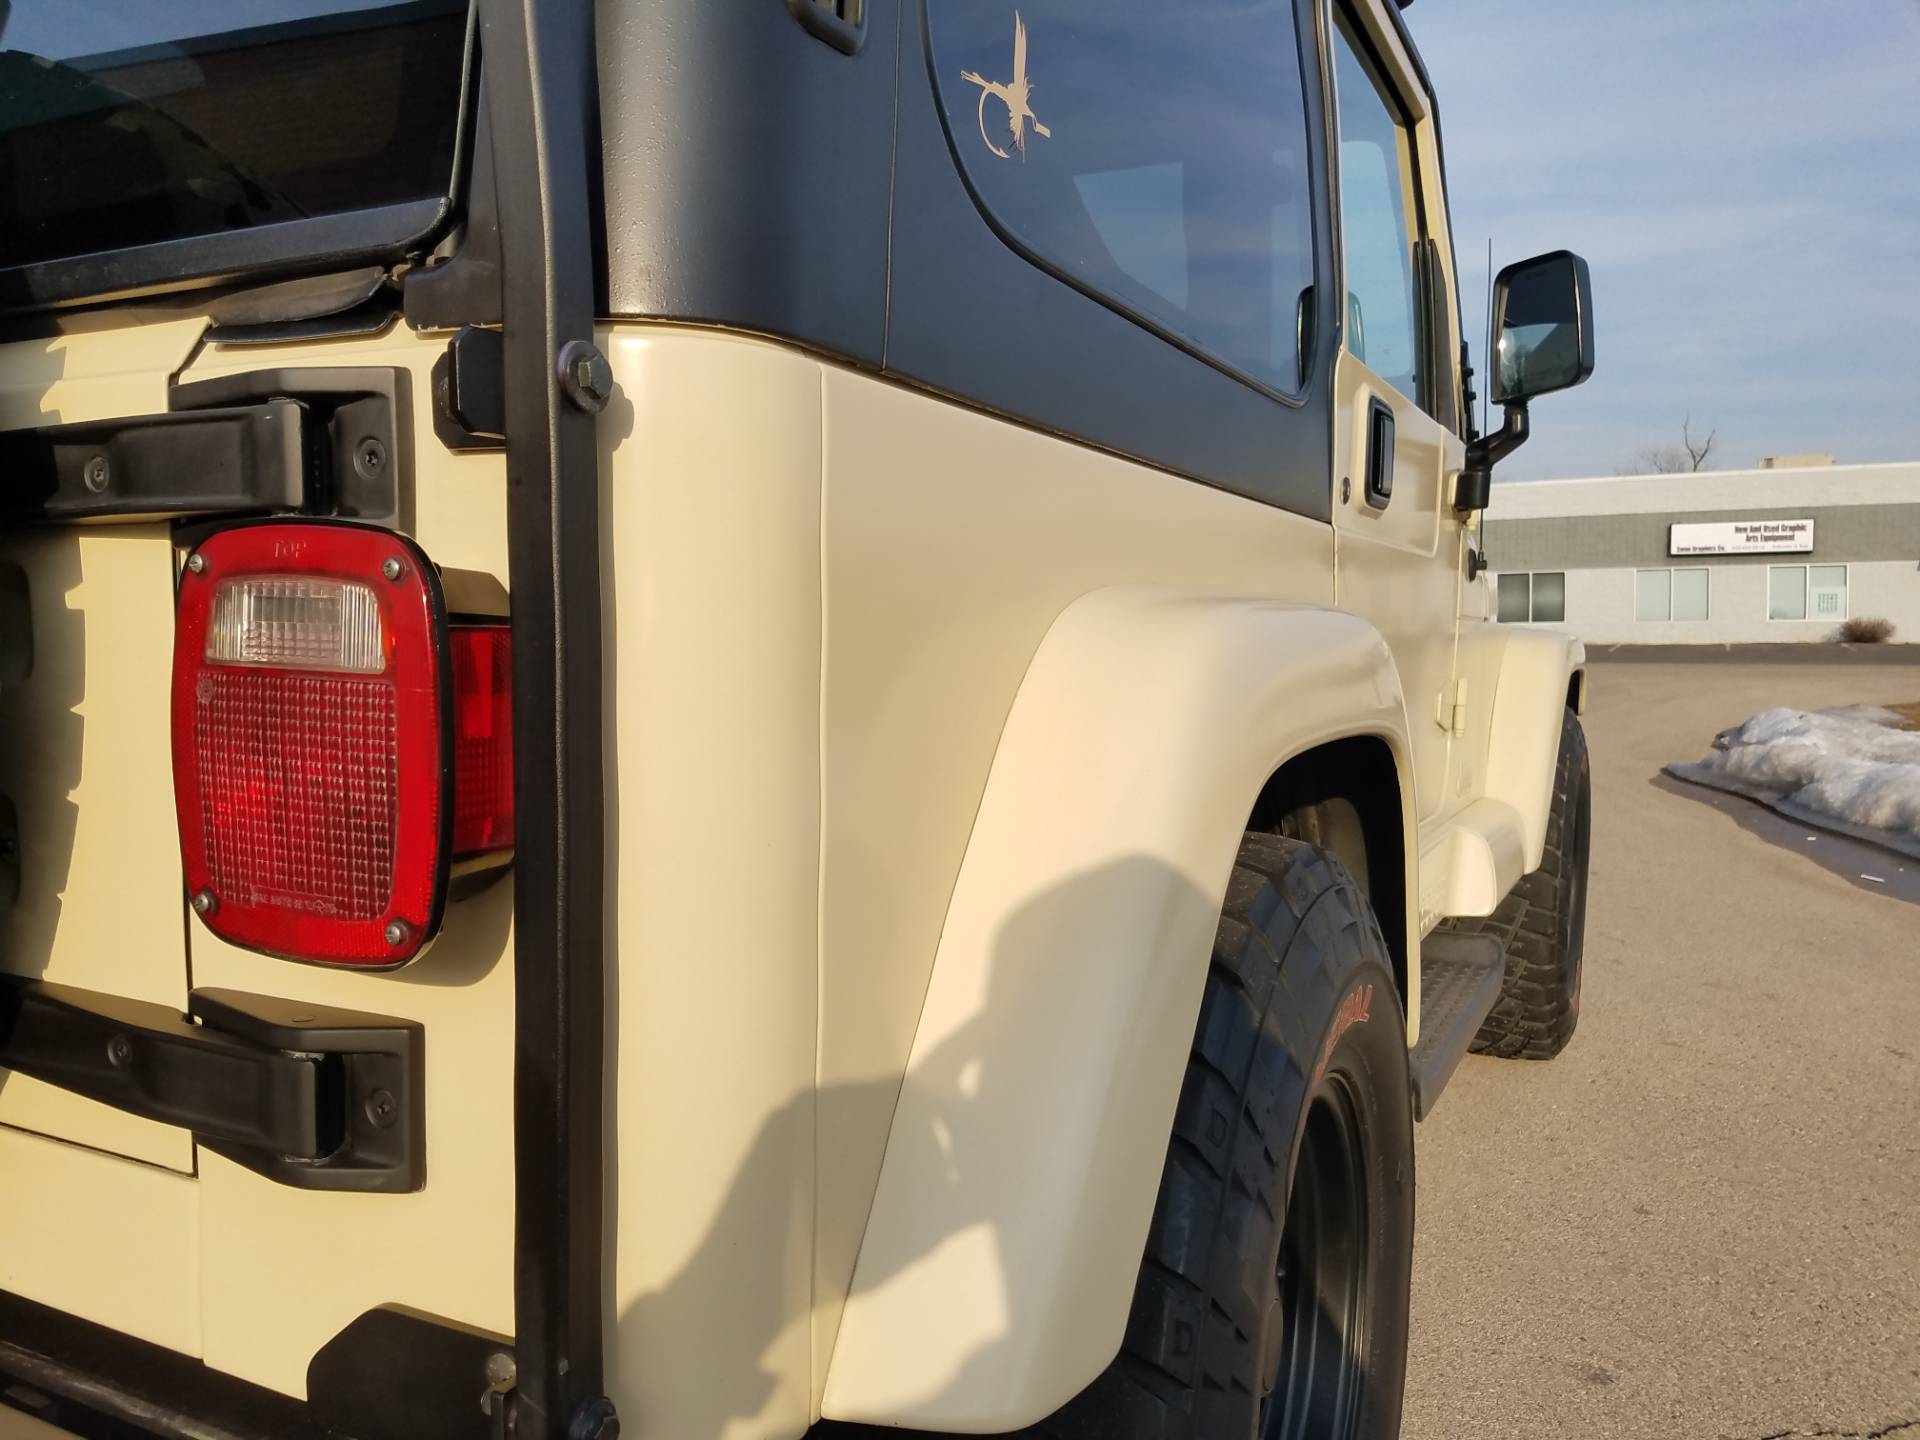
(335, 744)
(482, 741)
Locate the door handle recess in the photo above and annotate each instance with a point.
(1379, 491)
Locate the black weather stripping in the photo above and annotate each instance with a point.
(542, 97)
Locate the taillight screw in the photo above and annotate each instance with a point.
(196, 562)
(205, 902)
(397, 933)
(392, 569)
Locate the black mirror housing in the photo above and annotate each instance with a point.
(1542, 326)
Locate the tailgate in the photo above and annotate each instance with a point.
(122, 1220)
(212, 1221)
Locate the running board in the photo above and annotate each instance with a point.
(1460, 979)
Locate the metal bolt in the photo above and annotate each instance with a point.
(397, 933)
(205, 902)
(595, 1420)
(393, 570)
(120, 1052)
(197, 562)
(585, 376)
(382, 1109)
(502, 1372)
(369, 458)
(96, 474)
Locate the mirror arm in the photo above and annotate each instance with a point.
(1473, 488)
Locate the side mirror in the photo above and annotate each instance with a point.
(1543, 341)
(1543, 327)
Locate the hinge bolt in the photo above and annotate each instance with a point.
(397, 933)
(595, 1420)
(502, 1372)
(97, 473)
(197, 562)
(381, 1109)
(393, 570)
(585, 376)
(205, 902)
(369, 457)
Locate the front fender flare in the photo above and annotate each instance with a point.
(999, 1260)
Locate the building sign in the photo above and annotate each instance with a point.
(1741, 537)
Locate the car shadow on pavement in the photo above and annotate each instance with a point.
(1862, 865)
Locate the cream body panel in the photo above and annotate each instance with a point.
(100, 1237)
(1534, 667)
(1400, 566)
(86, 764)
(997, 1269)
(447, 1250)
(713, 633)
(953, 540)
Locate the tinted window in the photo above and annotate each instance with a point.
(1550, 598)
(1690, 594)
(124, 122)
(1515, 598)
(1377, 206)
(1787, 592)
(1155, 156)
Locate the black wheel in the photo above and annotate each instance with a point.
(1544, 923)
(1272, 1299)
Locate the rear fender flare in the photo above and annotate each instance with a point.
(1000, 1256)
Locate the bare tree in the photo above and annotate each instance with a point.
(1685, 458)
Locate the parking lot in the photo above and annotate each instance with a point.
(1703, 1219)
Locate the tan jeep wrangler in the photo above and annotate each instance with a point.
(748, 716)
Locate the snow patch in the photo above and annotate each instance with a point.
(1852, 768)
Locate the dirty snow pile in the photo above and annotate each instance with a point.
(1852, 769)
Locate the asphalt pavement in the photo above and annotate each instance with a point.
(1703, 1218)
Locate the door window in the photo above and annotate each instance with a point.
(1379, 204)
(1153, 158)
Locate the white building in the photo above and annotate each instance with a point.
(1727, 556)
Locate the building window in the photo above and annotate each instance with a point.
(1806, 592)
(1670, 594)
(1541, 598)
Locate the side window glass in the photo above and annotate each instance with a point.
(1155, 159)
(1378, 204)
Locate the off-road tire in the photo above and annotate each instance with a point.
(1543, 923)
(1300, 1012)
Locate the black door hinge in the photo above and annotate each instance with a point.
(323, 441)
(308, 1095)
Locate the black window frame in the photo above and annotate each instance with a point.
(383, 234)
(1444, 403)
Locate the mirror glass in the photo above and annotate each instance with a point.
(1544, 342)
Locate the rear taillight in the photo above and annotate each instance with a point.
(338, 745)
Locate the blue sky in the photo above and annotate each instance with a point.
(1744, 180)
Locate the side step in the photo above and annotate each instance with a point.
(1460, 979)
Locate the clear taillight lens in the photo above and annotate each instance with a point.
(337, 744)
(297, 623)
